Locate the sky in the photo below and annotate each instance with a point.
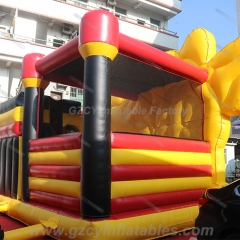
(217, 16)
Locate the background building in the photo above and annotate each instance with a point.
(44, 25)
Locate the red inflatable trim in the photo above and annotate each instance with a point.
(28, 65)
(56, 200)
(70, 173)
(61, 142)
(143, 172)
(11, 130)
(59, 57)
(154, 201)
(99, 26)
(137, 141)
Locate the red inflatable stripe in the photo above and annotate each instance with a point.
(70, 173)
(11, 130)
(137, 141)
(56, 200)
(139, 172)
(61, 142)
(154, 201)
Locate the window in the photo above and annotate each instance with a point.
(76, 94)
(57, 42)
(139, 21)
(154, 23)
(120, 11)
(225, 155)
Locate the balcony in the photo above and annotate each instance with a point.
(71, 12)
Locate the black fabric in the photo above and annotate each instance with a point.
(71, 129)
(68, 104)
(3, 166)
(1, 234)
(28, 133)
(12, 103)
(48, 130)
(8, 173)
(96, 165)
(56, 115)
(15, 154)
(130, 77)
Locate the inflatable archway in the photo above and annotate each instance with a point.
(148, 141)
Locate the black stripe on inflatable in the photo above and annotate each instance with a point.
(12, 103)
(15, 154)
(96, 148)
(29, 132)
(8, 173)
(3, 166)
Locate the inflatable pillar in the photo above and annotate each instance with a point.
(33, 111)
(98, 45)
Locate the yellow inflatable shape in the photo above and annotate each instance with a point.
(202, 111)
(26, 233)
(38, 230)
(4, 206)
(142, 187)
(61, 157)
(11, 116)
(154, 157)
(62, 187)
(73, 119)
(140, 227)
(46, 116)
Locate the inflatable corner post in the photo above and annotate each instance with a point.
(133, 161)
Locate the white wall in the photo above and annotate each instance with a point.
(4, 74)
(230, 158)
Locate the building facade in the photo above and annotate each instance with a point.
(43, 25)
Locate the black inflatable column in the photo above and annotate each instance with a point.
(98, 46)
(34, 86)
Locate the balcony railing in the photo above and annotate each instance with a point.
(121, 16)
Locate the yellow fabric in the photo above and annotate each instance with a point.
(20, 155)
(11, 116)
(154, 157)
(62, 187)
(35, 82)
(174, 220)
(174, 110)
(73, 119)
(98, 49)
(142, 187)
(46, 116)
(220, 97)
(63, 157)
(26, 233)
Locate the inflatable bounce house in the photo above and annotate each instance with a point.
(133, 161)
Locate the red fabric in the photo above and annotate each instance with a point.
(56, 200)
(99, 26)
(11, 130)
(142, 172)
(59, 57)
(61, 142)
(150, 55)
(28, 65)
(154, 201)
(70, 173)
(137, 141)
